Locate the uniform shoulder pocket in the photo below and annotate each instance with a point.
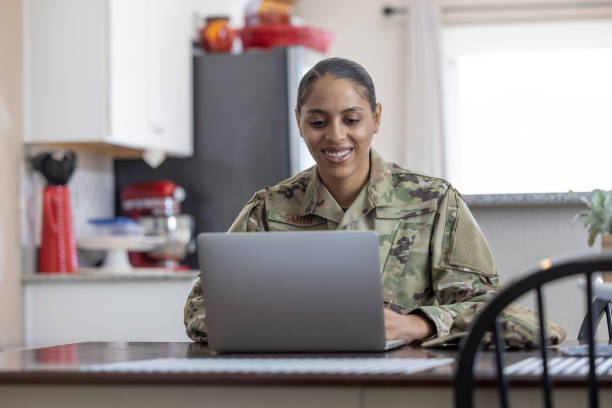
(412, 210)
(469, 246)
(292, 221)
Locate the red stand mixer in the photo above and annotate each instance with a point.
(57, 253)
(156, 206)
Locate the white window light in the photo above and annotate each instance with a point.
(528, 107)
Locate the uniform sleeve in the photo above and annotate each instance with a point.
(464, 278)
(250, 219)
(463, 273)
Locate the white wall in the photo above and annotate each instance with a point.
(11, 329)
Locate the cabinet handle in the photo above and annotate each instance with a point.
(158, 129)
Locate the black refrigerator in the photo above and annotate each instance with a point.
(245, 136)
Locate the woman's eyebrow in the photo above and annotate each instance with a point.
(351, 109)
(315, 110)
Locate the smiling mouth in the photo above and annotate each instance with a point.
(338, 155)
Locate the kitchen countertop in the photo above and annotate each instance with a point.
(519, 200)
(93, 275)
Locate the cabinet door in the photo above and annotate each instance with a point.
(129, 82)
(69, 311)
(111, 71)
(169, 57)
(64, 70)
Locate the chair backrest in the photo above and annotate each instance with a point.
(487, 321)
(599, 308)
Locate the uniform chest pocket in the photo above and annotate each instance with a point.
(284, 221)
(404, 240)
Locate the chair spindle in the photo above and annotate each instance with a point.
(609, 320)
(546, 382)
(593, 386)
(502, 382)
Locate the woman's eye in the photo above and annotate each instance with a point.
(351, 121)
(317, 123)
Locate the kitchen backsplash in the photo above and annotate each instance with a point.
(91, 193)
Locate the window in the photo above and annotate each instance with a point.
(528, 107)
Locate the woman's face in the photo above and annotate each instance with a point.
(337, 124)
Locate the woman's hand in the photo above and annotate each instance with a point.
(406, 327)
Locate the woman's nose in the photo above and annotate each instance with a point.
(336, 132)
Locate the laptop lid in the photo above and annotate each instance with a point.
(292, 291)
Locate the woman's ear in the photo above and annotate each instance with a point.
(297, 119)
(377, 116)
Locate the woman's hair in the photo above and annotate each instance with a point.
(340, 68)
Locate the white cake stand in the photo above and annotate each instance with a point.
(117, 247)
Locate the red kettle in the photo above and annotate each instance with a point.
(57, 253)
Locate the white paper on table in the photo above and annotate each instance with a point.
(572, 366)
(354, 366)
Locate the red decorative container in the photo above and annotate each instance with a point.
(274, 35)
(57, 248)
(57, 253)
(217, 35)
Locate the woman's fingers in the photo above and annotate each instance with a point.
(406, 327)
(391, 331)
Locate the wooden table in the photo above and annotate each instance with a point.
(53, 377)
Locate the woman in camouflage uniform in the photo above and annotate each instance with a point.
(437, 269)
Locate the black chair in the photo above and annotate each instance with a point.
(599, 308)
(487, 321)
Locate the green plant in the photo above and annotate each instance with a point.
(598, 216)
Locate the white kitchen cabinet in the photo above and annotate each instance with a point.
(108, 74)
(65, 309)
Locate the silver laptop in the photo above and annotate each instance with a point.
(293, 292)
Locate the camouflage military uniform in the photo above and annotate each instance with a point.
(434, 259)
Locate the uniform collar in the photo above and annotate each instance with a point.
(319, 201)
(380, 186)
(376, 192)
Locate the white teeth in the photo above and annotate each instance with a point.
(337, 155)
